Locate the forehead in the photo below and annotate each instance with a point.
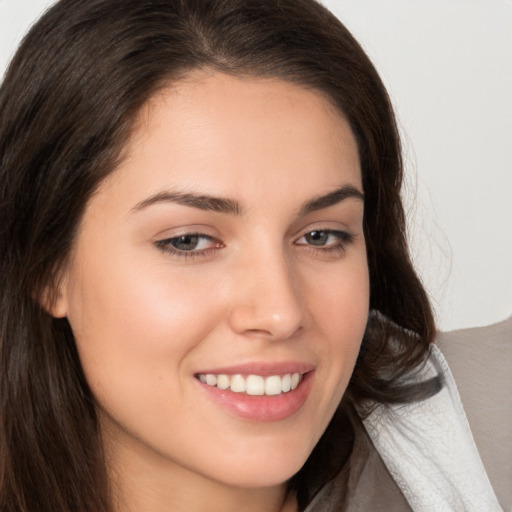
(228, 135)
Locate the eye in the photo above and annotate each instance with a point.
(326, 239)
(319, 238)
(189, 244)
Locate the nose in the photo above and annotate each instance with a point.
(268, 302)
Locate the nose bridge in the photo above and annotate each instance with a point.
(269, 302)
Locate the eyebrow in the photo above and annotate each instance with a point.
(233, 207)
(331, 199)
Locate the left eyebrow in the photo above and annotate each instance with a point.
(330, 199)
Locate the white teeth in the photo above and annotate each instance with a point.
(253, 384)
(273, 385)
(223, 381)
(295, 380)
(286, 383)
(211, 380)
(237, 384)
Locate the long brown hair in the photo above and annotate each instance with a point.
(67, 104)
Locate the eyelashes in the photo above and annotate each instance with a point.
(189, 245)
(326, 242)
(188, 242)
(326, 239)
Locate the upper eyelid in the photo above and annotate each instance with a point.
(176, 232)
(325, 223)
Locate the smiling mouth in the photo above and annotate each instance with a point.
(255, 385)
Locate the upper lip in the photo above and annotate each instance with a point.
(264, 369)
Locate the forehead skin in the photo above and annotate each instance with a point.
(244, 113)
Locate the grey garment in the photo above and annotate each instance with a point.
(370, 487)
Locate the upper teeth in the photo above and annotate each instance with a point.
(253, 384)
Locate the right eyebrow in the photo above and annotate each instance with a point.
(200, 201)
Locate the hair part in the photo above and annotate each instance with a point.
(67, 107)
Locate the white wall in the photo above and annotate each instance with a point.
(448, 67)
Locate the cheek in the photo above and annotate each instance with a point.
(137, 320)
(340, 301)
(340, 306)
(135, 327)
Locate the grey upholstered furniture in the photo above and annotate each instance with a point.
(481, 362)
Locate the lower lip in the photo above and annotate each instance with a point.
(262, 408)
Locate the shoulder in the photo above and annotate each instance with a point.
(481, 362)
(429, 449)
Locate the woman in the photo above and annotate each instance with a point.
(205, 278)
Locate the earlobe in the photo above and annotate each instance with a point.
(59, 308)
(53, 300)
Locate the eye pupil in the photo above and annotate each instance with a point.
(185, 242)
(317, 237)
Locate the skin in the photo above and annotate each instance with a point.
(255, 289)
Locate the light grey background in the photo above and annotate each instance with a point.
(448, 67)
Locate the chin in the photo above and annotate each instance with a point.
(268, 467)
(272, 474)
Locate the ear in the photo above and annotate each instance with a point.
(53, 299)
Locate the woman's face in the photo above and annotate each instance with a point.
(226, 253)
